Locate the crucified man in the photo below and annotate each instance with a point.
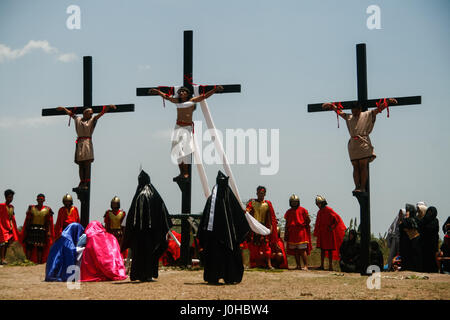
(84, 150)
(182, 136)
(360, 124)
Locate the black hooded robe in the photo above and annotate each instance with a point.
(146, 229)
(222, 229)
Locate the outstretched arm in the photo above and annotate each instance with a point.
(331, 106)
(105, 110)
(164, 95)
(207, 95)
(67, 111)
(383, 106)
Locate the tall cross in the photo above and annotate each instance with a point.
(186, 186)
(364, 199)
(84, 195)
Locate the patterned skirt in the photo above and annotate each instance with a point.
(36, 235)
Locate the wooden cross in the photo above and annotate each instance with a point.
(364, 198)
(186, 186)
(84, 195)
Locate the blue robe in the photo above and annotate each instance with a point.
(63, 253)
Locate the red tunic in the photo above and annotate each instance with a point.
(8, 227)
(65, 217)
(276, 248)
(329, 240)
(297, 228)
(173, 250)
(264, 248)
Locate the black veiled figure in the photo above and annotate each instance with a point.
(429, 236)
(410, 247)
(222, 229)
(146, 230)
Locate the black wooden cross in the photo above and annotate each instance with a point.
(185, 187)
(84, 195)
(364, 199)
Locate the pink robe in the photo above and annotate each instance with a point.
(101, 260)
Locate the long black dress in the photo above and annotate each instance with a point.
(146, 229)
(222, 229)
(410, 249)
(429, 236)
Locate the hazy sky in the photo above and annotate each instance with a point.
(285, 54)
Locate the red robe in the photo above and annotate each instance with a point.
(173, 250)
(297, 229)
(326, 239)
(65, 217)
(23, 236)
(264, 248)
(8, 228)
(275, 249)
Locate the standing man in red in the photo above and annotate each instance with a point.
(297, 232)
(258, 245)
(66, 215)
(329, 231)
(113, 219)
(38, 232)
(8, 227)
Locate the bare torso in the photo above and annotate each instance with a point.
(184, 115)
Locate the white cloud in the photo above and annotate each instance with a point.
(67, 57)
(6, 53)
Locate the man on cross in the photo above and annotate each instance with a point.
(84, 150)
(182, 137)
(360, 124)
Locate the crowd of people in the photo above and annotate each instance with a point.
(413, 240)
(100, 251)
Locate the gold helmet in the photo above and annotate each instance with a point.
(294, 201)
(321, 199)
(67, 197)
(116, 201)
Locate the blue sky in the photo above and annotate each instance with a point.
(285, 54)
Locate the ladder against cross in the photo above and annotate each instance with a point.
(186, 185)
(364, 198)
(84, 194)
